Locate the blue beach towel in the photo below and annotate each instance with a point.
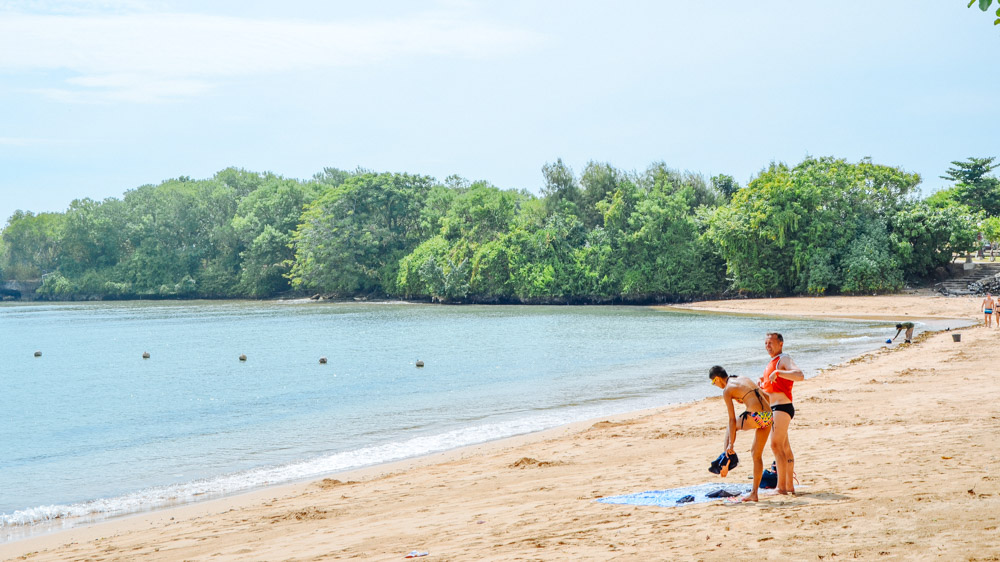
(669, 498)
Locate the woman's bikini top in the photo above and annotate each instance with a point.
(756, 391)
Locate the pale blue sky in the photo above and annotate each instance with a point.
(98, 97)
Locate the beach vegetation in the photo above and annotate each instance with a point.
(973, 187)
(819, 227)
(990, 228)
(605, 235)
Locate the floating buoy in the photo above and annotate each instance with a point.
(322, 360)
(38, 354)
(420, 363)
(243, 357)
(145, 355)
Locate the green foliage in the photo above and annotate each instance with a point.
(439, 201)
(55, 284)
(984, 5)
(598, 182)
(180, 229)
(480, 213)
(808, 229)
(826, 225)
(490, 275)
(351, 239)
(663, 252)
(973, 187)
(241, 181)
(867, 263)
(990, 229)
(725, 185)
(943, 198)
(333, 177)
(971, 170)
(924, 237)
(32, 244)
(263, 225)
(448, 281)
(544, 270)
(697, 192)
(409, 281)
(91, 236)
(560, 192)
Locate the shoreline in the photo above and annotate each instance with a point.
(55, 516)
(48, 519)
(443, 479)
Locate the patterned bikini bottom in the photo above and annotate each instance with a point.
(760, 419)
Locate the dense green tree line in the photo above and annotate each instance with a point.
(605, 235)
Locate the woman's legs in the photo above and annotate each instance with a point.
(759, 440)
(783, 458)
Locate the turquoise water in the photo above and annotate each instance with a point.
(91, 429)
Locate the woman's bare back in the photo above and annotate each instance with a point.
(745, 391)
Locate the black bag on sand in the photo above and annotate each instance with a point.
(721, 461)
(770, 478)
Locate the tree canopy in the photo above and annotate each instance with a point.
(605, 235)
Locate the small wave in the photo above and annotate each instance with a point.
(153, 498)
(858, 339)
(303, 300)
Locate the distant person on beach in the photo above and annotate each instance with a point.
(988, 305)
(908, 326)
(779, 375)
(757, 417)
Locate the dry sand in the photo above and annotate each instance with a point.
(895, 454)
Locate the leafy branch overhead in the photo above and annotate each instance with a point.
(984, 5)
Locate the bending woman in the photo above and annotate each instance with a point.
(757, 417)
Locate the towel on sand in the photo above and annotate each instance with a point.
(668, 498)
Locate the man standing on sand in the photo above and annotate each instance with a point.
(779, 375)
(988, 305)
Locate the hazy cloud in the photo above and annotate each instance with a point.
(25, 142)
(142, 57)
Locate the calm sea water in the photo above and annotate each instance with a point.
(90, 429)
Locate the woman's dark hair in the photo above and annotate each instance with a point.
(717, 371)
(899, 326)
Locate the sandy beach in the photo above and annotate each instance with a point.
(894, 455)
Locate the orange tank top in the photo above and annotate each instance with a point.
(781, 385)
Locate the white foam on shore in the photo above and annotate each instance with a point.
(158, 497)
(859, 339)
